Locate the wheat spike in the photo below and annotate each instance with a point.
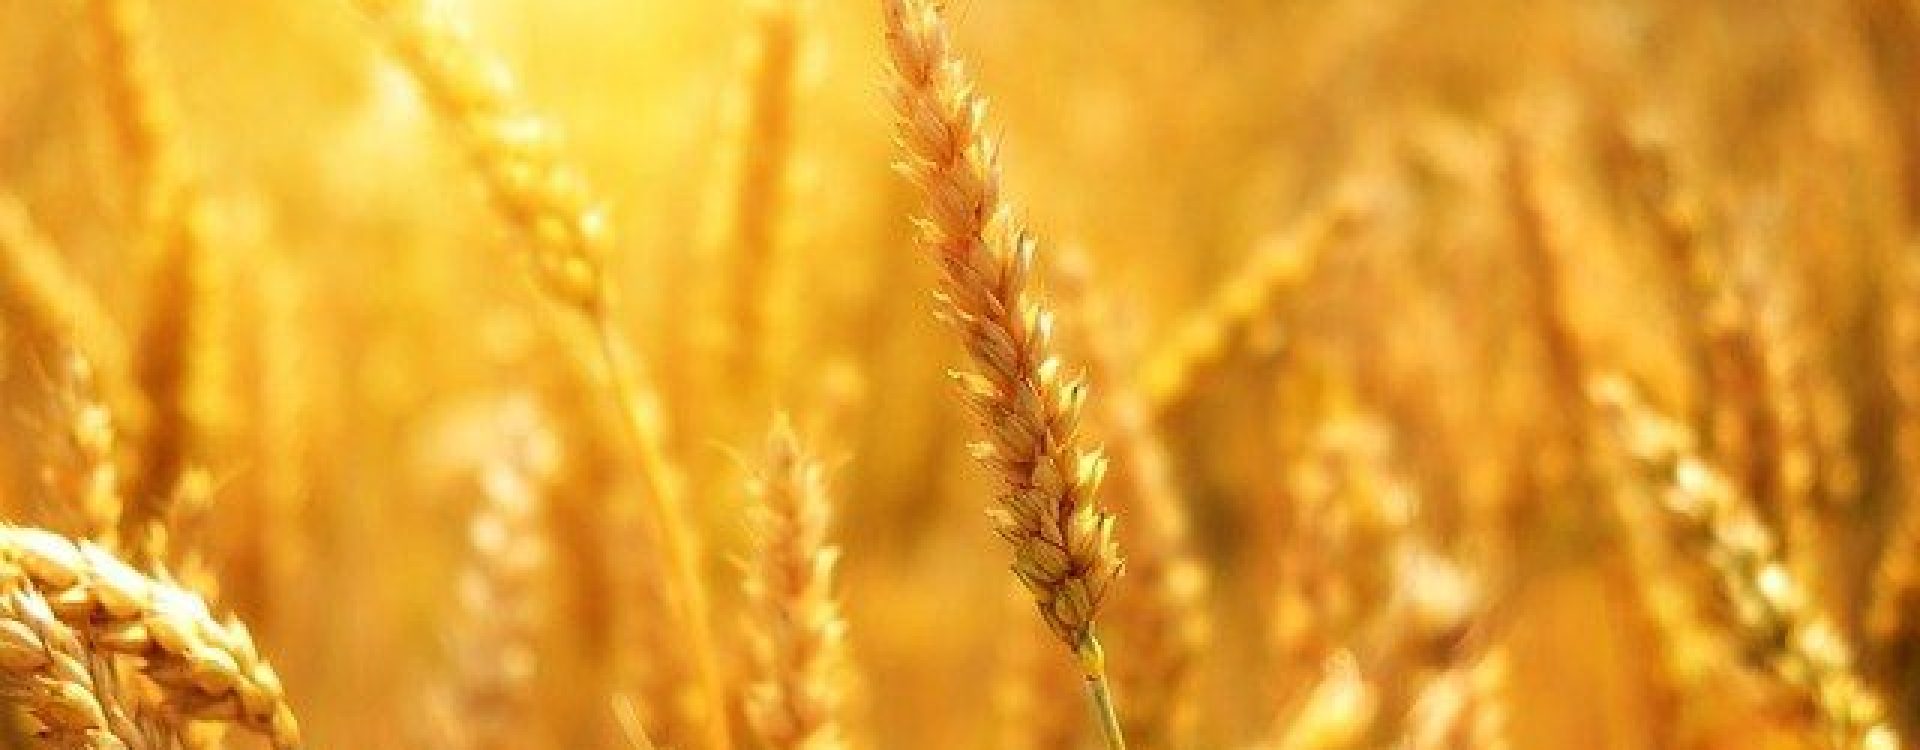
(1780, 627)
(1019, 390)
(797, 634)
(566, 234)
(1210, 335)
(140, 111)
(757, 200)
(492, 702)
(207, 671)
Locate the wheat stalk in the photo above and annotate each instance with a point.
(1779, 626)
(207, 671)
(1019, 390)
(797, 633)
(566, 235)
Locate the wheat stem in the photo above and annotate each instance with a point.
(1093, 664)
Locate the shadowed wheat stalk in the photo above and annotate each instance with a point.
(1020, 391)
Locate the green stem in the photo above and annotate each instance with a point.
(1093, 666)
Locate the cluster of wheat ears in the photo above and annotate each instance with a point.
(1568, 396)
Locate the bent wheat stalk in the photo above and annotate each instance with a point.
(1063, 548)
(566, 234)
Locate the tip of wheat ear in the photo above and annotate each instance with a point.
(206, 670)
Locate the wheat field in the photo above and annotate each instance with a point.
(806, 375)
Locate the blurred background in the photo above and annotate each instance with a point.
(1353, 256)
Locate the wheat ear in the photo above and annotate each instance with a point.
(1210, 335)
(1019, 390)
(140, 113)
(46, 670)
(1167, 625)
(797, 633)
(758, 195)
(492, 700)
(566, 235)
(207, 671)
(1780, 627)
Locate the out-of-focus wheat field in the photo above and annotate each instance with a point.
(1374, 275)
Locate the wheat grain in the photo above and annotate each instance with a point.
(1020, 391)
(45, 669)
(1780, 627)
(796, 632)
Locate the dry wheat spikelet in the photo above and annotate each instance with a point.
(1165, 626)
(46, 670)
(1019, 391)
(1211, 334)
(206, 671)
(491, 702)
(1780, 629)
(796, 632)
(567, 234)
(94, 481)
